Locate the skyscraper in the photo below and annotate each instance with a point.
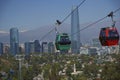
(44, 47)
(75, 35)
(37, 46)
(32, 48)
(1, 48)
(14, 41)
(27, 48)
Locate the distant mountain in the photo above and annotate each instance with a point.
(86, 35)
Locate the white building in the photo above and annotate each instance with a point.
(75, 72)
(39, 77)
(88, 50)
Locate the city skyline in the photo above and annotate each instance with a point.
(59, 39)
(92, 32)
(39, 36)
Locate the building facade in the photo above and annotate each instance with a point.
(75, 34)
(32, 47)
(6, 48)
(14, 41)
(44, 47)
(1, 48)
(51, 47)
(27, 48)
(37, 46)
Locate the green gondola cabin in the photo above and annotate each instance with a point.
(62, 41)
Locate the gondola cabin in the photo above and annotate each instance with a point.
(109, 36)
(62, 41)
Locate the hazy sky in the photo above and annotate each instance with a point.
(31, 14)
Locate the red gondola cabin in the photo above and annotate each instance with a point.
(109, 36)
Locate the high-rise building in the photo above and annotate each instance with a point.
(51, 47)
(6, 48)
(44, 47)
(14, 41)
(27, 48)
(75, 34)
(37, 46)
(1, 48)
(32, 49)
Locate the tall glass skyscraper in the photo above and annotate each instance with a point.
(14, 41)
(75, 35)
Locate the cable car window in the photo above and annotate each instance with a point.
(113, 33)
(64, 38)
(102, 34)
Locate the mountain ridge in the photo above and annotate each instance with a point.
(86, 35)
